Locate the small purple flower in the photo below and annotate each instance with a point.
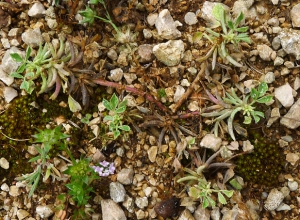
(105, 168)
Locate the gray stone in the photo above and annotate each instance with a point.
(276, 43)
(284, 94)
(145, 53)
(275, 114)
(4, 163)
(112, 54)
(269, 77)
(37, 10)
(210, 141)
(290, 42)
(45, 211)
(215, 214)
(244, 6)
(273, 21)
(111, 210)
(128, 204)
(264, 51)
(141, 202)
(274, 199)
(297, 83)
(117, 192)
(169, 53)
(21, 214)
(125, 176)
(295, 15)
(166, 27)
(201, 213)
(293, 185)
(33, 37)
(51, 22)
(9, 94)
(190, 18)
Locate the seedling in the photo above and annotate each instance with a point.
(231, 34)
(115, 117)
(232, 104)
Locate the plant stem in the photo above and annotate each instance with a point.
(149, 97)
(190, 89)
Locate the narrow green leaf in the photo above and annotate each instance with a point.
(211, 201)
(107, 105)
(114, 101)
(254, 94)
(108, 118)
(242, 29)
(235, 184)
(228, 193)
(230, 25)
(123, 103)
(125, 128)
(221, 198)
(120, 110)
(28, 52)
(116, 134)
(205, 203)
(239, 19)
(16, 75)
(261, 114)
(265, 99)
(230, 121)
(16, 57)
(262, 88)
(21, 68)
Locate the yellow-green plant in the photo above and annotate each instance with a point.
(232, 104)
(231, 34)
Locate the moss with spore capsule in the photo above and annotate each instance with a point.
(264, 165)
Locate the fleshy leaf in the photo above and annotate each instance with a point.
(73, 104)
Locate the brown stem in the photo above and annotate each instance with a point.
(149, 97)
(190, 89)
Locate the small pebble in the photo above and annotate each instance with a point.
(293, 185)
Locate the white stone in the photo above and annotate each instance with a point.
(4, 163)
(148, 190)
(116, 74)
(265, 52)
(291, 119)
(9, 94)
(210, 141)
(5, 187)
(178, 93)
(128, 204)
(295, 15)
(206, 14)
(190, 18)
(112, 54)
(293, 185)
(37, 10)
(274, 199)
(111, 210)
(141, 202)
(284, 94)
(283, 207)
(289, 39)
(151, 18)
(45, 211)
(169, 53)
(5, 43)
(140, 214)
(166, 27)
(33, 37)
(297, 83)
(269, 77)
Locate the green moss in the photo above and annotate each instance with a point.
(264, 165)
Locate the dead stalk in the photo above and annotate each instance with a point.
(190, 89)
